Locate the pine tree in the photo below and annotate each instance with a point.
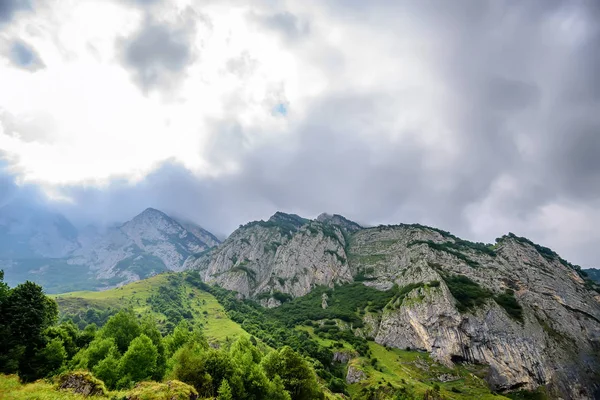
(224, 392)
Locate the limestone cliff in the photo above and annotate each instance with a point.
(536, 321)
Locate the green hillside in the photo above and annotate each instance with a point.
(167, 297)
(323, 339)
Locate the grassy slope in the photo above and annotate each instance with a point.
(11, 389)
(217, 325)
(416, 369)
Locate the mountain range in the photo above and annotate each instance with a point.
(515, 306)
(45, 247)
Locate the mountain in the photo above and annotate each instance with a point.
(47, 249)
(27, 231)
(205, 236)
(516, 306)
(593, 274)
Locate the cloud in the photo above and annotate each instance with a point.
(159, 53)
(24, 56)
(287, 24)
(475, 117)
(8, 9)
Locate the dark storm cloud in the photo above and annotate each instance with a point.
(24, 56)
(158, 53)
(9, 8)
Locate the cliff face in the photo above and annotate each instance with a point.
(286, 254)
(555, 342)
(533, 319)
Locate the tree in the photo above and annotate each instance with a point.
(189, 368)
(149, 328)
(52, 357)
(224, 392)
(297, 376)
(139, 361)
(182, 334)
(25, 314)
(123, 327)
(98, 350)
(108, 370)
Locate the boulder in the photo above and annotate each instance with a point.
(82, 382)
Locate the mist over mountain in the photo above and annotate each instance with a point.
(46, 248)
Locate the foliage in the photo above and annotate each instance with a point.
(467, 293)
(139, 361)
(343, 303)
(508, 301)
(450, 248)
(25, 313)
(298, 379)
(171, 302)
(123, 327)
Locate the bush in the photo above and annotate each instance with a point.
(171, 390)
(467, 293)
(508, 301)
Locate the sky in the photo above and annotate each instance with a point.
(477, 117)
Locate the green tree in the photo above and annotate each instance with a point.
(52, 357)
(26, 313)
(123, 327)
(139, 361)
(97, 350)
(297, 376)
(108, 370)
(224, 392)
(68, 334)
(189, 368)
(276, 390)
(182, 334)
(149, 328)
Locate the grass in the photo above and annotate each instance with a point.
(205, 308)
(12, 389)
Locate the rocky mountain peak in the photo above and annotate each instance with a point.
(281, 217)
(340, 220)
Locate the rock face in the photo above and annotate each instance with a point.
(354, 374)
(286, 254)
(82, 382)
(554, 339)
(151, 242)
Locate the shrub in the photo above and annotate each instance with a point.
(508, 301)
(467, 293)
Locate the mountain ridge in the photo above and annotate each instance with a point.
(149, 243)
(511, 305)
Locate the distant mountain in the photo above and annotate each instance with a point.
(593, 274)
(27, 231)
(46, 248)
(205, 236)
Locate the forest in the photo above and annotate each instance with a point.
(129, 349)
